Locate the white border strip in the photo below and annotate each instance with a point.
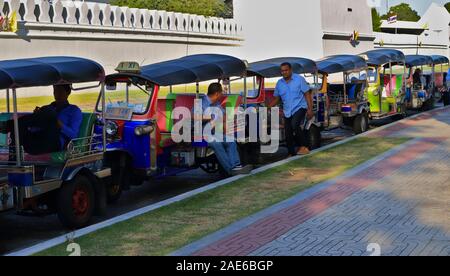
(90, 229)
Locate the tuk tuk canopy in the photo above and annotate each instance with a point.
(341, 63)
(439, 59)
(191, 69)
(271, 68)
(384, 56)
(418, 60)
(48, 71)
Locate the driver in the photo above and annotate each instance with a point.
(50, 128)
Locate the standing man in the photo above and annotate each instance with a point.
(295, 94)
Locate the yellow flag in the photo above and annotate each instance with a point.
(13, 22)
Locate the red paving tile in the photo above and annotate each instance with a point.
(270, 228)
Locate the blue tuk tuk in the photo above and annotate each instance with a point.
(265, 70)
(70, 182)
(140, 118)
(439, 76)
(344, 81)
(419, 92)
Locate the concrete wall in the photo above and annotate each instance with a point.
(110, 34)
(339, 21)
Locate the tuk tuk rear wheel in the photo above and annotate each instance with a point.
(76, 202)
(314, 138)
(361, 123)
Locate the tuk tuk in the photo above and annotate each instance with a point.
(439, 76)
(386, 88)
(70, 182)
(140, 118)
(263, 71)
(419, 92)
(344, 81)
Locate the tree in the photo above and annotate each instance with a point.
(201, 7)
(447, 6)
(404, 12)
(376, 20)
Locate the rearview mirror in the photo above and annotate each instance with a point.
(111, 86)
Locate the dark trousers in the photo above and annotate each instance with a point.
(295, 135)
(38, 132)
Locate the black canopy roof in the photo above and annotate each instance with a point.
(191, 69)
(271, 68)
(48, 71)
(341, 63)
(384, 56)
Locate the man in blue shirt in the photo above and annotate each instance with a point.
(295, 94)
(50, 128)
(226, 152)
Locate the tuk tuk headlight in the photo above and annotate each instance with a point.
(144, 130)
(111, 128)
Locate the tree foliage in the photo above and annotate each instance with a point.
(404, 12)
(201, 7)
(447, 6)
(376, 20)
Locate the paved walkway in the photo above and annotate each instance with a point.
(396, 204)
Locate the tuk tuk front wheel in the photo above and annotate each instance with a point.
(76, 202)
(361, 123)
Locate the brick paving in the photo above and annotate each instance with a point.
(399, 202)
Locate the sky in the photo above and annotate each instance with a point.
(419, 5)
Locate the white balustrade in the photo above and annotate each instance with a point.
(126, 17)
(83, 12)
(154, 20)
(161, 17)
(146, 15)
(28, 9)
(58, 10)
(136, 16)
(99, 14)
(71, 11)
(106, 12)
(117, 13)
(94, 11)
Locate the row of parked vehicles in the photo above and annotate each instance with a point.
(127, 139)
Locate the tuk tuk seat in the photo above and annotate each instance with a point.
(165, 118)
(86, 130)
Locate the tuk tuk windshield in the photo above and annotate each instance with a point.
(128, 95)
(355, 77)
(372, 75)
(236, 86)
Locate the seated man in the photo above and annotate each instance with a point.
(226, 152)
(417, 78)
(50, 128)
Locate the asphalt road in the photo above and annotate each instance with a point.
(18, 232)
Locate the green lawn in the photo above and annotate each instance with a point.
(164, 230)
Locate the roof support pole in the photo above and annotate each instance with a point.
(102, 93)
(8, 108)
(16, 130)
(345, 89)
(197, 90)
